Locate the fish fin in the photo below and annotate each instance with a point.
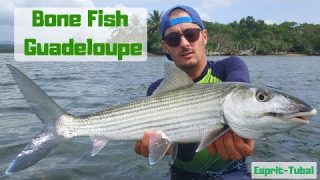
(211, 136)
(97, 144)
(173, 78)
(158, 145)
(38, 148)
(41, 104)
(174, 152)
(47, 111)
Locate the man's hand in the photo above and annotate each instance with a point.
(228, 146)
(231, 146)
(142, 146)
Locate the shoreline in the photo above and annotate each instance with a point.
(287, 54)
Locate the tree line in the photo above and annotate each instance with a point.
(249, 37)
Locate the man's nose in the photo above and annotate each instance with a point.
(184, 42)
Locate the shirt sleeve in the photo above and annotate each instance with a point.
(232, 69)
(153, 87)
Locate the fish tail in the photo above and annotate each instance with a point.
(48, 112)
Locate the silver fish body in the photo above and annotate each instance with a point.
(178, 111)
(184, 115)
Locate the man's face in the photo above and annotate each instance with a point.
(187, 55)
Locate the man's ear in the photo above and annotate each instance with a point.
(165, 50)
(164, 47)
(205, 36)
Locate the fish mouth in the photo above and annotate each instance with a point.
(301, 117)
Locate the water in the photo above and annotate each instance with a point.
(83, 88)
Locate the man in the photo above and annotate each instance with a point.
(184, 39)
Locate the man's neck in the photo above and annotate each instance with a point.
(196, 72)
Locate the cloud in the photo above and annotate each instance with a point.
(6, 32)
(204, 15)
(206, 8)
(7, 11)
(216, 3)
(55, 3)
(268, 21)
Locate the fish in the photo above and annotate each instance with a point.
(179, 111)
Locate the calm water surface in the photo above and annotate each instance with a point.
(83, 88)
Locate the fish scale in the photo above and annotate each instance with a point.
(148, 106)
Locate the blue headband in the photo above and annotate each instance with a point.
(180, 20)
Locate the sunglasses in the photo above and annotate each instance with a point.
(173, 39)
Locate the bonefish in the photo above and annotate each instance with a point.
(178, 111)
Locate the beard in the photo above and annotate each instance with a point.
(189, 65)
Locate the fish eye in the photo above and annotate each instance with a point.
(262, 96)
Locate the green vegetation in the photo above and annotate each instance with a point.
(249, 37)
(154, 39)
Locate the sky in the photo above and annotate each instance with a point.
(221, 11)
